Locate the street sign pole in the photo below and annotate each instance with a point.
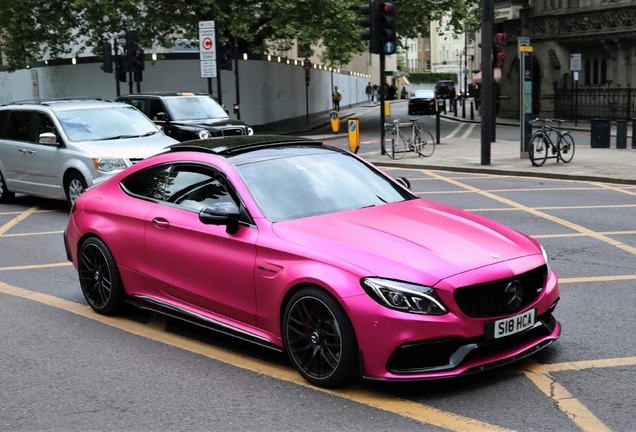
(207, 52)
(575, 67)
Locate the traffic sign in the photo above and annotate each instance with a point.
(207, 36)
(575, 62)
(208, 68)
(306, 64)
(389, 47)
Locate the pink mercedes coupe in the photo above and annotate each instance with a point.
(306, 248)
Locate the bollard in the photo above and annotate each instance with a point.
(634, 133)
(464, 108)
(472, 113)
(455, 107)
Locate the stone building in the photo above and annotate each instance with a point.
(603, 32)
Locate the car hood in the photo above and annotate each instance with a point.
(130, 148)
(415, 240)
(220, 122)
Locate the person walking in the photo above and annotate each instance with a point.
(337, 97)
(369, 92)
(451, 96)
(375, 94)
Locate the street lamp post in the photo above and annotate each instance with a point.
(465, 71)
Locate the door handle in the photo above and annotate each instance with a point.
(32, 152)
(22, 151)
(161, 223)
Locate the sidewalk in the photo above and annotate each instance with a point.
(465, 155)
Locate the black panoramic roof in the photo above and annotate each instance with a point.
(228, 146)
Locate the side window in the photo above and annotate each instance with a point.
(18, 126)
(4, 116)
(43, 124)
(138, 103)
(155, 106)
(195, 187)
(149, 183)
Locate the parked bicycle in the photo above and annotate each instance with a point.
(419, 141)
(550, 142)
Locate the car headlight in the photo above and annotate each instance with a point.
(203, 134)
(404, 296)
(250, 131)
(546, 257)
(109, 164)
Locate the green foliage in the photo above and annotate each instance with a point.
(32, 30)
(431, 77)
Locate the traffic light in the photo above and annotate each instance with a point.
(224, 56)
(388, 26)
(139, 63)
(128, 43)
(107, 56)
(370, 22)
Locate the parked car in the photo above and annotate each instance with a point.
(55, 148)
(422, 102)
(187, 116)
(305, 248)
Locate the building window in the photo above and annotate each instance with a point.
(548, 4)
(603, 71)
(588, 69)
(595, 72)
(574, 3)
(427, 46)
(427, 65)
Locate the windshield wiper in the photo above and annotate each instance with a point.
(116, 137)
(149, 133)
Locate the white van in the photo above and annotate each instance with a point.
(55, 148)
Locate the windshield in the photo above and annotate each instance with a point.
(194, 108)
(314, 184)
(96, 124)
(427, 94)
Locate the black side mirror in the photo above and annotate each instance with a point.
(223, 213)
(405, 182)
(162, 116)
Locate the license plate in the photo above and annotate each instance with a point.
(512, 325)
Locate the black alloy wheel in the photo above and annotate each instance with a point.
(5, 195)
(99, 277)
(320, 339)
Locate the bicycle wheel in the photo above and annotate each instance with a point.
(538, 150)
(395, 148)
(566, 147)
(424, 143)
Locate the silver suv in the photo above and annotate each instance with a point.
(56, 148)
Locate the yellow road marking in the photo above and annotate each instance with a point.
(597, 279)
(36, 266)
(31, 234)
(13, 222)
(401, 407)
(575, 410)
(568, 224)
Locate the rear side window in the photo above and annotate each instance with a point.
(4, 116)
(149, 183)
(156, 106)
(18, 126)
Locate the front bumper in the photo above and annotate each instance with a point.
(408, 347)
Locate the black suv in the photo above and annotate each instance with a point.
(187, 116)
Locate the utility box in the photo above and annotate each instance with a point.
(621, 134)
(600, 133)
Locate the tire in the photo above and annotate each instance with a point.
(393, 149)
(566, 148)
(74, 186)
(5, 195)
(99, 277)
(426, 143)
(538, 150)
(320, 339)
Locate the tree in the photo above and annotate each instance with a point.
(32, 30)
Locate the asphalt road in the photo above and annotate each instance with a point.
(63, 367)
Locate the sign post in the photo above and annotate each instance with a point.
(307, 66)
(207, 51)
(575, 67)
(525, 94)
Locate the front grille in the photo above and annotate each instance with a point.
(233, 131)
(489, 300)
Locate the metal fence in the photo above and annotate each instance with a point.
(611, 103)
